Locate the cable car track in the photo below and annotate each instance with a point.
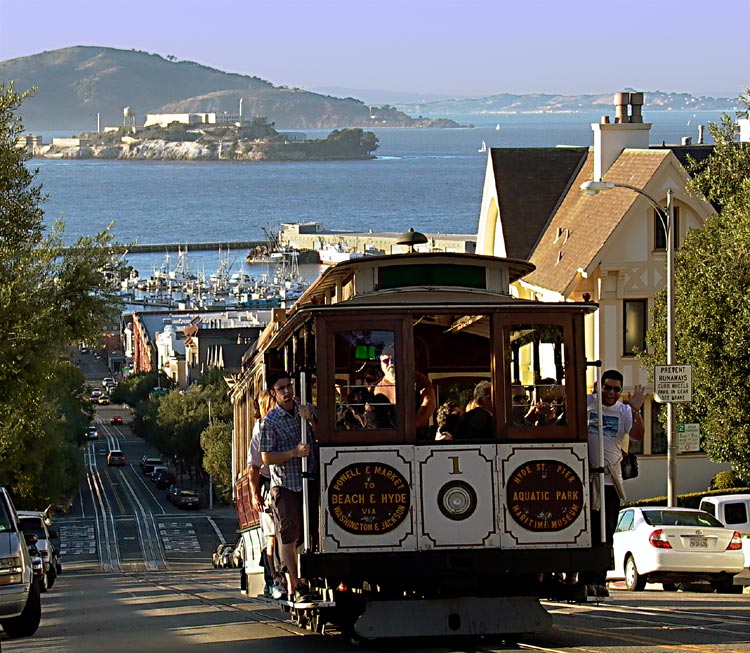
(106, 533)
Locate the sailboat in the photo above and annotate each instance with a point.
(483, 148)
(497, 127)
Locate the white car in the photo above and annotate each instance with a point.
(674, 545)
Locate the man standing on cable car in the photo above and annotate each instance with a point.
(282, 449)
(618, 420)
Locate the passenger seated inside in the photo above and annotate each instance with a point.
(357, 412)
(549, 409)
(384, 396)
(476, 424)
(520, 404)
(447, 419)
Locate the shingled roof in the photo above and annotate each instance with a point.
(582, 224)
(531, 183)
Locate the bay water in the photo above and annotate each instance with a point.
(428, 179)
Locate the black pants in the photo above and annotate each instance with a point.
(611, 508)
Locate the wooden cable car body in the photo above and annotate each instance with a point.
(412, 536)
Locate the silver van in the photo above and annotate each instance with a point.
(20, 595)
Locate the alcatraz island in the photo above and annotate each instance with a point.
(252, 140)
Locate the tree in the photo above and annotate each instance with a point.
(712, 304)
(51, 296)
(216, 442)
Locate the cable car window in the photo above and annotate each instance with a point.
(365, 386)
(537, 373)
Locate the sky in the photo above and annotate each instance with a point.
(420, 49)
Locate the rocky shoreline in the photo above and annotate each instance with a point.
(161, 150)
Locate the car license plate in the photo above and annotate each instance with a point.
(699, 543)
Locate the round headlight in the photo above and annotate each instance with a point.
(457, 500)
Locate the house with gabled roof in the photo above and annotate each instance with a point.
(609, 249)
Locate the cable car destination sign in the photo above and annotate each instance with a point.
(673, 384)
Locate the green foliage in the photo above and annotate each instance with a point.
(137, 388)
(712, 305)
(50, 297)
(691, 500)
(216, 442)
(184, 425)
(726, 480)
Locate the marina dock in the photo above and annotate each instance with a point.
(311, 237)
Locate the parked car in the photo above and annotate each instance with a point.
(238, 554)
(171, 491)
(163, 478)
(34, 523)
(672, 546)
(221, 558)
(108, 382)
(37, 564)
(184, 498)
(116, 420)
(149, 462)
(96, 392)
(103, 400)
(116, 458)
(92, 433)
(20, 594)
(157, 469)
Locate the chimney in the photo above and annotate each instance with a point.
(700, 134)
(627, 131)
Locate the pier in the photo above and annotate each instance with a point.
(196, 247)
(311, 236)
(308, 237)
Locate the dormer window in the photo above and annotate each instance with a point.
(660, 238)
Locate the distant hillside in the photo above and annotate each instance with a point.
(75, 84)
(540, 102)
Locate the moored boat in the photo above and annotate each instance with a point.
(333, 253)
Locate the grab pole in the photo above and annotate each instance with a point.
(305, 490)
(600, 462)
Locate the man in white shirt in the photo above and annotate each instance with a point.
(618, 421)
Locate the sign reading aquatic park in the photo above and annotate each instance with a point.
(673, 384)
(545, 496)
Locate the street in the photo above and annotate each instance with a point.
(137, 575)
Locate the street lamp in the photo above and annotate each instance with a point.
(666, 217)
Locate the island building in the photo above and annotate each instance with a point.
(609, 249)
(210, 118)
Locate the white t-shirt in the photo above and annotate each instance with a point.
(254, 459)
(617, 423)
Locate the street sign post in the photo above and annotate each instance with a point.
(673, 384)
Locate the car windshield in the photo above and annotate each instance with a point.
(4, 518)
(680, 518)
(32, 525)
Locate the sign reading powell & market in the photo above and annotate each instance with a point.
(368, 498)
(544, 495)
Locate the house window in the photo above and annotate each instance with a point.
(658, 433)
(660, 238)
(635, 313)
